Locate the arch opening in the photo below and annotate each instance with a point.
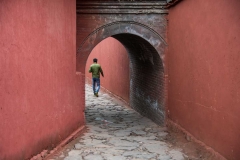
(146, 67)
(114, 59)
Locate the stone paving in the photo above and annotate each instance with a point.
(116, 132)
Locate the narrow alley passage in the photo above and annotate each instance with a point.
(115, 132)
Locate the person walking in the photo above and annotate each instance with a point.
(96, 69)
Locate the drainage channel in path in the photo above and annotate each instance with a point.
(116, 132)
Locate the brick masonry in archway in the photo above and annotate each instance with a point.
(141, 28)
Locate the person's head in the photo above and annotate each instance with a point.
(95, 60)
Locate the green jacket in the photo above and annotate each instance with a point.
(96, 69)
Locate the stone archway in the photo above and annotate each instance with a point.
(145, 46)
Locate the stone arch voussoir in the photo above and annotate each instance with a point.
(115, 28)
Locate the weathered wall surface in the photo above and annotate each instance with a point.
(204, 79)
(40, 93)
(114, 60)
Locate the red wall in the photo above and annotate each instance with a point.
(113, 58)
(39, 90)
(204, 65)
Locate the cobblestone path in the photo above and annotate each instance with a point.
(115, 132)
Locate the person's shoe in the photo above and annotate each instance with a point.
(96, 94)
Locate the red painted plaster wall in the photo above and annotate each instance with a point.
(204, 72)
(113, 58)
(40, 96)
